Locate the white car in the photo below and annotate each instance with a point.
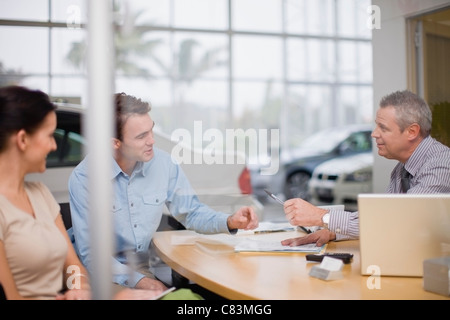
(224, 187)
(339, 181)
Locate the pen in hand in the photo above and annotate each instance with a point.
(274, 197)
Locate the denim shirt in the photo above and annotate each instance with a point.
(137, 208)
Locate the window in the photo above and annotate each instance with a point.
(69, 140)
(295, 65)
(357, 142)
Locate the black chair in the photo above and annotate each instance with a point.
(65, 212)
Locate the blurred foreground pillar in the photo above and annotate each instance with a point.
(99, 132)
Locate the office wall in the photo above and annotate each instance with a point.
(390, 62)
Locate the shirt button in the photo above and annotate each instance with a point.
(132, 204)
(135, 225)
(139, 246)
(157, 200)
(126, 282)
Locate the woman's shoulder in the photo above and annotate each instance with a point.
(35, 186)
(38, 187)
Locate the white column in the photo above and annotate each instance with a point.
(99, 119)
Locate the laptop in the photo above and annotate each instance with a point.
(399, 231)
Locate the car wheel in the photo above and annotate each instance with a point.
(297, 185)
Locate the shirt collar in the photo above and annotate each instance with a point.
(116, 170)
(414, 162)
(139, 169)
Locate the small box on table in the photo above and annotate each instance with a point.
(436, 275)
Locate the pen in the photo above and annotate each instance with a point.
(304, 229)
(270, 231)
(274, 197)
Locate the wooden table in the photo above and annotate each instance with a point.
(278, 276)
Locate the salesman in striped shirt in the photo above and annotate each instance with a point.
(402, 133)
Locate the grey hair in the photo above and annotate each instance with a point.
(409, 109)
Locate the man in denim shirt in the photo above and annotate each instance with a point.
(144, 179)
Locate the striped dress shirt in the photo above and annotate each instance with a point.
(429, 166)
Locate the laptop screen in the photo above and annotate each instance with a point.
(399, 231)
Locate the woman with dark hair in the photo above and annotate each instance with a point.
(37, 259)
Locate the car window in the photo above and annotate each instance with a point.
(68, 140)
(70, 149)
(324, 141)
(357, 142)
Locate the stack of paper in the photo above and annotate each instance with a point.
(274, 246)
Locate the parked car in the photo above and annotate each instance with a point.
(224, 187)
(297, 166)
(340, 180)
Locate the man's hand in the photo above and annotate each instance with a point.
(245, 218)
(150, 284)
(320, 237)
(301, 213)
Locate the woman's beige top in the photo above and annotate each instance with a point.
(35, 248)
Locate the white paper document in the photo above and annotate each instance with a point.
(246, 241)
(250, 245)
(267, 227)
(191, 238)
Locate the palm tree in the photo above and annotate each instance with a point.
(9, 76)
(186, 70)
(128, 43)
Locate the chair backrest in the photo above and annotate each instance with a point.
(65, 212)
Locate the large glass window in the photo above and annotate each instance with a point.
(294, 65)
(311, 60)
(257, 57)
(25, 50)
(310, 17)
(257, 15)
(206, 14)
(34, 10)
